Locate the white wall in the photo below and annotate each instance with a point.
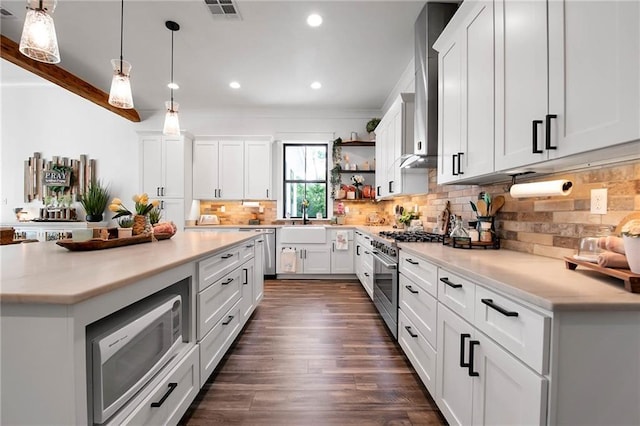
(52, 121)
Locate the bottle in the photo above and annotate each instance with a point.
(458, 230)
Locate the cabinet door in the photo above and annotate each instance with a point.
(478, 113)
(257, 170)
(205, 170)
(342, 261)
(151, 162)
(396, 139)
(594, 74)
(247, 304)
(173, 167)
(449, 111)
(454, 385)
(258, 280)
(231, 170)
(172, 209)
(506, 392)
(381, 159)
(316, 260)
(521, 81)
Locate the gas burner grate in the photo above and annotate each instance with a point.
(413, 237)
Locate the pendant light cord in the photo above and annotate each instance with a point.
(171, 88)
(121, 32)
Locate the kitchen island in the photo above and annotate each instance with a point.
(50, 295)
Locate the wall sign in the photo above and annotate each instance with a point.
(60, 177)
(56, 178)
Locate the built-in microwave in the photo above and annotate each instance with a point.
(137, 344)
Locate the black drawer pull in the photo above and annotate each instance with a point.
(229, 319)
(472, 344)
(410, 332)
(366, 274)
(250, 246)
(226, 256)
(460, 154)
(408, 287)
(227, 281)
(413, 262)
(503, 311)
(172, 387)
(547, 142)
(246, 276)
(535, 149)
(463, 337)
(449, 283)
(367, 252)
(358, 250)
(453, 165)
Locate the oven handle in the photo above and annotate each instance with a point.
(384, 262)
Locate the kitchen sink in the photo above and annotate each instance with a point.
(299, 234)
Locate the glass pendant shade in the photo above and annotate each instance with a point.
(171, 122)
(120, 93)
(39, 41)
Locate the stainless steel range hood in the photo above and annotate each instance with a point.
(430, 23)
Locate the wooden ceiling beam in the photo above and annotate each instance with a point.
(64, 79)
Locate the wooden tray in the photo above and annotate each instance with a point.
(98, 244)
(631, 280)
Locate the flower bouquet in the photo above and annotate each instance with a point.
(142, 207)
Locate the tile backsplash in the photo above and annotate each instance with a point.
(547, 226)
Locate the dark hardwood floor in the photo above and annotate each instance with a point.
(314, 353)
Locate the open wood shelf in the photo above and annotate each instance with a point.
(358, 143)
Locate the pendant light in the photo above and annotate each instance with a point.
(39, 39)
(171, 123)
(120, 93)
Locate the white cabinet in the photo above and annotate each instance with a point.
(231, 169)
(165, 173)
(394, 138)
(342, 259)
(466, 90)
(247, 304)
(364, 262)
(310, 258)
(258, 280)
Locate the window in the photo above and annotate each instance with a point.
(305, 177)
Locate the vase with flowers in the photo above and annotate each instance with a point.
(631, 238)
(357, 181)
(142, 207)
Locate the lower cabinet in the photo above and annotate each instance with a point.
(416, 347)
(310, 258)
(248, 280)
(363, 262)
(342, 250)
(215, 344)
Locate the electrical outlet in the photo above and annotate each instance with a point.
(599, 201)
(223, 209)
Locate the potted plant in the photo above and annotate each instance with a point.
(631, 240)
(95, 200)
(371, 127)
(125, 227)
(155, 215)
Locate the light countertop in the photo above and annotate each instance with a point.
(47, 273)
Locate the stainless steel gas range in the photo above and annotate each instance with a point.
(385, 271)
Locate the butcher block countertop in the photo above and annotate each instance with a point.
(47, 273)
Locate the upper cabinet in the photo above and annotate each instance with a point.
(232, 169)
(465, 93)
(534, 81)
(394, 138)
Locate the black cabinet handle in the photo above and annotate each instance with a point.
(472, 345)
(367, 252)
(246, 276)
(227, 281)
(162, 205)
(503, 311)
(449, 283)
(453, 164)
(413, 262)
(460, 154)
(366, 274)
(408, 287)
(163, 191)
(220, 193)
(391, 191)
(410, 332)
(357, 250)
(267, 193)
(547, 141)
(378, 191)
(535, 137)
(229, 319)
(226, 256)
(419, 145)
(172, 387)
(157, 191)
(463, 337)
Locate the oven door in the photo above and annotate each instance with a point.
(385, 290)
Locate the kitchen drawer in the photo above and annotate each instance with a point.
(367, 257)
(247, 251)
(180, 388)
(421, 354)
(215, 344)
(367, 280)
(216, 300)
(420, 307)
(213, 268)
(420, 271)
(456, 293)
(522, 331)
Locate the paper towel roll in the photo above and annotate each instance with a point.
(541, 189)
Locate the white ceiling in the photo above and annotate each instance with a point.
(358, 53)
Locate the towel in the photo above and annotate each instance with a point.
(342, 240)
(609, 259)
(288, 260)
(611, 243)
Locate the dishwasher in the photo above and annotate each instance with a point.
(269, 248)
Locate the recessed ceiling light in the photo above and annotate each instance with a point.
(314, 20)
(173, 86)
(234, 85)
(316, 85)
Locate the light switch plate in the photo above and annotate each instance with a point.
(599, 201)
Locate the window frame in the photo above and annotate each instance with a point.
(286, 181)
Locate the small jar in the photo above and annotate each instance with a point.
(474, 235)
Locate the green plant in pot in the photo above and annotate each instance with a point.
(94, 201)
(155, 215)
(125, 226)
(371, 127)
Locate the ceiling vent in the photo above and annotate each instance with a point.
(224, 9)
(5, 14)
